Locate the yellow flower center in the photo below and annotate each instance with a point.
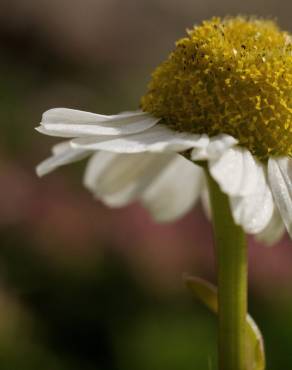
(232, 76)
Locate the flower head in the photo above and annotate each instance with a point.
(231, 76)
(223, 97)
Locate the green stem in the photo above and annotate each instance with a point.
(231, 249)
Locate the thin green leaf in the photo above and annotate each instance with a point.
(206, 293)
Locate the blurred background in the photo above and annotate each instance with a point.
(83, 286)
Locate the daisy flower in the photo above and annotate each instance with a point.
(215, 123)
(223, 98)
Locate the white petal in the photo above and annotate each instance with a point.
(61, 147)
(254, 212)
(174, 192)
(63, 154)
(64, 122)
(156, 139)
(216, 146)
(280, 177)
(236, 171)
(119, 179)
(274, 231)
(66, 115)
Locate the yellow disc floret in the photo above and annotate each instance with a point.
(232, 76)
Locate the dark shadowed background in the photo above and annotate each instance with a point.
(83, 286)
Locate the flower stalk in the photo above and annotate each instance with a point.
(231, 250)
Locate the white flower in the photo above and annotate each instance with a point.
(134, 157)
(205, 103)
